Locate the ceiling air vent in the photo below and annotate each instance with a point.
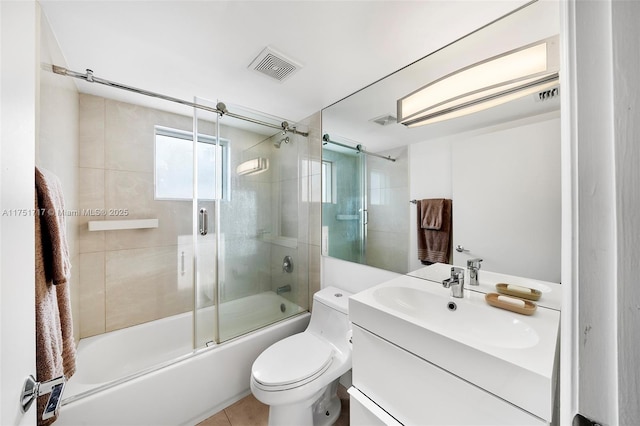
(547, 94)
(274, 64)
(385, 120)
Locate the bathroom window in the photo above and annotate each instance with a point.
(328, 190)
(174, 166)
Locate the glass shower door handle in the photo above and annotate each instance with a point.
(365, 216)
(203, 221)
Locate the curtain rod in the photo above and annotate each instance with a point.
(220, 108)
(326, 139)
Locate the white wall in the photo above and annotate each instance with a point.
(527, 151)
(626, 65)
(18, 92)
(595, 284)
(57, 144)
(603, 126)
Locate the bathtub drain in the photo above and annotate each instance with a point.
(283, 307)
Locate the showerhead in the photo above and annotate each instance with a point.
(278, 143)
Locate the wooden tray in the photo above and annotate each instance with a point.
(528, 309)
(518, 291)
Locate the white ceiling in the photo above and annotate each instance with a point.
(202, 48)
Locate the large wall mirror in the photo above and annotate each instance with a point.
(499, 166)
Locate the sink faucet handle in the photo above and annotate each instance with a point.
(457, 272)
(474, 263)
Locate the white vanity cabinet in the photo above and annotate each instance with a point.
(411, 391)
(423, 357)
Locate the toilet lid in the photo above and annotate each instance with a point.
(292, 360)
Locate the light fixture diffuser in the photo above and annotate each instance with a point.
(483, 85)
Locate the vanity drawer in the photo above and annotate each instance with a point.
(416, 392)
(364, 412)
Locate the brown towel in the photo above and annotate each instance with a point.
(431, 212)
(55, 347)
(434, 245)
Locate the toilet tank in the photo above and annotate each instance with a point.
(330, 316)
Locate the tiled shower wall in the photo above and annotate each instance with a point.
(296, 209)
(388, 196)
(129, 277)
(126, 277)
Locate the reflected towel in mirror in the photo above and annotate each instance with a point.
(431, 213)
(434, 245)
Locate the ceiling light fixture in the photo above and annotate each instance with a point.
(483, 85)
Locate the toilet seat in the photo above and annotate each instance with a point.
(292, 362)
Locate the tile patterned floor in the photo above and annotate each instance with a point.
(251, 412)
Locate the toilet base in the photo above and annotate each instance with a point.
(327, 409)
(321, 410)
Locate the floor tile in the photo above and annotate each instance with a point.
(343, 420)
(251, 412)
(248, 412)
(219, 419)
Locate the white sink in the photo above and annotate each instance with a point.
(459, 318)
(510, 355)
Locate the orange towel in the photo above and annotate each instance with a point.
(434, 240)
(55, 347)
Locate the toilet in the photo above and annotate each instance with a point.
(298, 376)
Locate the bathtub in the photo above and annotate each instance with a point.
(141, 376)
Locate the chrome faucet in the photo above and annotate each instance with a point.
(455, 282)
(473, 265)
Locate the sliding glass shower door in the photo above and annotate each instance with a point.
(209, 189)
(344, 203)
(251, 263)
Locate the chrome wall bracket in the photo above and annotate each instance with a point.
(29, 393)
(33, 389)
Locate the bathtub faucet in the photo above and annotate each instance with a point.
(283, 289)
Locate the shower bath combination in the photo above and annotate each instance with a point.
(199, 302)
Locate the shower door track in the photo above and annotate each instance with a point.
(358, 148)
(220, 107)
